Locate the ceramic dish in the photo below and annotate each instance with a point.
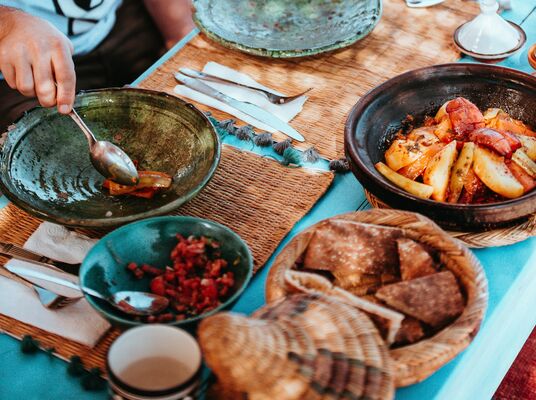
(45, 167)
(150, 241)
(377, 117)
(281, 28)
(491, 57)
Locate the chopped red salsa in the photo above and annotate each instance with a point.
(197, 281)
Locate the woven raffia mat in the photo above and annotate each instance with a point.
(492, 238)
(404, 39)
(256, 197)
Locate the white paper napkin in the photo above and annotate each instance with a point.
(78, 321)
(284, 112)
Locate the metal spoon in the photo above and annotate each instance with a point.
(130, 302)
(272, 97)
(107, 158)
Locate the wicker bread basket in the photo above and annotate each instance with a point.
(415, 362)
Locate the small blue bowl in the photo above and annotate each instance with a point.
(150, 241)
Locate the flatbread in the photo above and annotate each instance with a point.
(415, 261)
(310, 283)
(350, 250)
(433, 299)
(410, 331)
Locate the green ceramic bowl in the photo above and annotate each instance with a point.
(45, 167)
(286, 28)
(151, 241)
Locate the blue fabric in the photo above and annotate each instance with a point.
(473, 375)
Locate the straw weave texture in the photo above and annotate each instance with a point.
(491, 238)
(415, 362)
(404, 39)
(254, 196)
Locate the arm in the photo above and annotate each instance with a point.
(173, 18)
(35, 57)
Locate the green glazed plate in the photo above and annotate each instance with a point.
(286, 28)
(45, 167)
(150, 241)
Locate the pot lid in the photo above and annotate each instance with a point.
(488, 33)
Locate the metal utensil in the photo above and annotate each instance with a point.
(107, 158)
(423, 3)
(48, 299)
(247, 108)
(130, 302)
(22, 254)
(272, 97)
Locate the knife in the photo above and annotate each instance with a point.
(39, 274)
(247, 108)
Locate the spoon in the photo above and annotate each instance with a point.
(127, 301)
(107, 158)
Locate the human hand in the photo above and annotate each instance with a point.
(36, 59)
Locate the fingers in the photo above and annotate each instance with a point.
(8, 71)
(66, 80)
(24, 77)
(45, 88)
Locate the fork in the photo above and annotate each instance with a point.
(272, 97)
(423, 3)
(48, 299)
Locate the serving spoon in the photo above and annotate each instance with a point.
(127, 301)
(108, 159)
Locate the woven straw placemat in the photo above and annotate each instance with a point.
(492, 238)
(404, 39)
(256, 197)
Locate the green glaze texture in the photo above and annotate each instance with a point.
(45, 167)
(283, 28)
(151, 241)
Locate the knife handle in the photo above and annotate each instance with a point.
(196, 84)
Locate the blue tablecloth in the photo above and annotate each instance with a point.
(473, 375)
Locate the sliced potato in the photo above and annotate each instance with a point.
(528, 145)
(522, 177)
(424, 136)
(524, 161)
(508, 124)
(443, 130)
(442, 112)
(490, 114)
(402, 153)
(437, 172)
(414, 170)
(415, 188)
(492, 170)
(459, 171)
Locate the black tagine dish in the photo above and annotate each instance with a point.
(377, 118)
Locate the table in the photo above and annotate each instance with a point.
(473, 375)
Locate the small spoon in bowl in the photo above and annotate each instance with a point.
(111, 162)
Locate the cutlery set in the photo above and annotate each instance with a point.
(193, 79)
(52, 295)
(56, 288)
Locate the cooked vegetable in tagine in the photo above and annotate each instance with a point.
(464, 156)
